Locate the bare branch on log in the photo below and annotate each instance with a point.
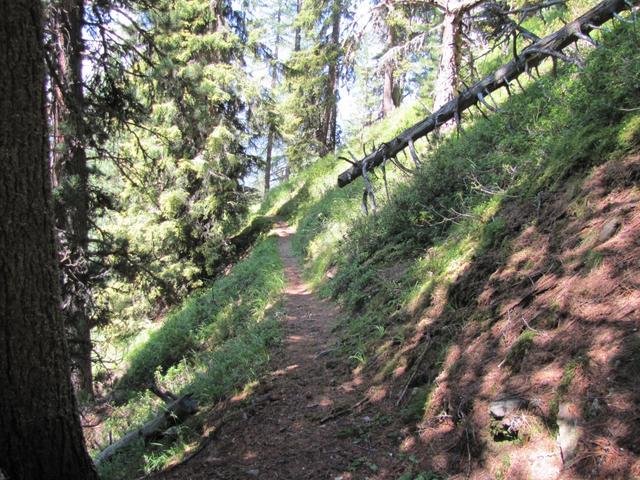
(352, 162)
(414, 154)
(530, 57)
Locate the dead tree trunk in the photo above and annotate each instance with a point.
(175, 413)
(530, 57)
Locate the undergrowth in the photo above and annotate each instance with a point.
(448, 213)
(215, 344)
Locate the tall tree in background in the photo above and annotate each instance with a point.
(314, 73)
(187, 158)
(71, 179)
(274, 82)
(447, 83)
(404, 30)
(392, 23)
(327, 134)
(40, 434)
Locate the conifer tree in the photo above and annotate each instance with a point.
(314, 73)
(184, 188)
(40, 435)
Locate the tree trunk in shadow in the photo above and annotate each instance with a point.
(40, 434)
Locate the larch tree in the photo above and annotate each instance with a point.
(392, 22)
(187, 155)
(40, 434)
(276, 23)
(327, 134)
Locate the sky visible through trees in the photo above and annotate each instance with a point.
(167, 124)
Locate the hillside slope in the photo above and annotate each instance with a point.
(503, 275)
(507, 268)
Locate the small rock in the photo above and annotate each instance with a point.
(609, 229)
(569, 431)
(501, 408)
(253, 473)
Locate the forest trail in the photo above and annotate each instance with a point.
(308, 418)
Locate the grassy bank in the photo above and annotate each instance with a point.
(212, 346)
(472, 277)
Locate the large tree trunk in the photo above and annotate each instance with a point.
(328, 129)
(274, 82)
(298, 31)
(40, 435)
(449, 70)
(72, 178)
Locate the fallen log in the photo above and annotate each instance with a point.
(530, 57)
(175, 413)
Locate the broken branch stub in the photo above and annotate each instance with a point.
(530, 57)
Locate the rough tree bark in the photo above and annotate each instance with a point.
(40, 435)
(449, 68)
(327, 134)
(549, 46)
(389, 88)
(274, 81)
(71, 175)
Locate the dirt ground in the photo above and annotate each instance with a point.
(551, 318)
(309, 418)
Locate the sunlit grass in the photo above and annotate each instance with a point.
(213, 346)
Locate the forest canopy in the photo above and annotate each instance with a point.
(170, 136)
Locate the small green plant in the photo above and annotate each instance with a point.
(363, 462)
(417, 404)
(629, 135)
(501, 474)
(519, 350)
(592, 259)
(568, 374)
(494, 233)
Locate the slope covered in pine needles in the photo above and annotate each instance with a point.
(506, 268)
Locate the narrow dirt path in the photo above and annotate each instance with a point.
(300, 423)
